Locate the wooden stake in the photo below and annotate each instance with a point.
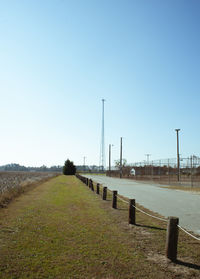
(104, 193)
(172, 238)
(92, 186)
(114, 201)
(131, 219)
(98, 188)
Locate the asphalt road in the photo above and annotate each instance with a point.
(167, 202)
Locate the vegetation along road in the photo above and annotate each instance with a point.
(61, 229)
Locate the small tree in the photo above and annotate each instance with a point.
(69, 168)
(117, 163)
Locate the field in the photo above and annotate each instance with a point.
(13, 183)
(61, 229)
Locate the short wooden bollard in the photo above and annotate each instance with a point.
(97, 188)
(131, 217)
(104, 193)
(91, 186)
(114, 200)
(172, 238)
(86, 181)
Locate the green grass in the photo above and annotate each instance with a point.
(61, 229)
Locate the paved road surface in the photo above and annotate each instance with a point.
(167, 202)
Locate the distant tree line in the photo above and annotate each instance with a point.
(17, 167)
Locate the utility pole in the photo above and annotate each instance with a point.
(178, 155)
(121, 157)
(84, 163)
(110, 145)
(102, 149)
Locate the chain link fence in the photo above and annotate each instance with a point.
(165, 171)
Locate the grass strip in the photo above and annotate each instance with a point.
(60, 229)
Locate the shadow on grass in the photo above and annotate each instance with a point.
(190, 265)
(150, 227)
(122, 209)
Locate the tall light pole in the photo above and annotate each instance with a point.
(102, 149)
(178, 155)
(121, 157)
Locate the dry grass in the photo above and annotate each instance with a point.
(12, 184)
(182, 188)
(61, 229)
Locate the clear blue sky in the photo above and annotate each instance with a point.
(58, 59)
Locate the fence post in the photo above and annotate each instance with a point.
(98, 188)
(114, 201)
(191, 173)
(159, 170)
(131, 219)
(104, 193)
(172, 238)
(92, 186)
(90, 183)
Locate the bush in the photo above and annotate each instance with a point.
(69, 168)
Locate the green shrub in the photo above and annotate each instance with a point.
(69, 168)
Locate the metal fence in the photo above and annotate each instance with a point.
(166, 171)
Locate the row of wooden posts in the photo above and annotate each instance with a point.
(172, 227)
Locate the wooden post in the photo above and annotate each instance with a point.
(98, 188)
(172, 238)
(92, 186)
(104, 193)
(114, 201)
(131, 218)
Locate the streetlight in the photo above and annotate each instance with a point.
(178, 155)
